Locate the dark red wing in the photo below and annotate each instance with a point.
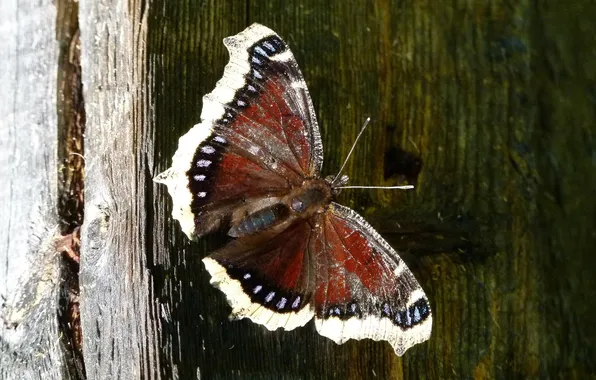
(258, 136)
(363, 288)
(267, 279)
(224, 174)
(272, 109)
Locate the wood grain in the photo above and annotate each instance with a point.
(118, 314)
(29, 265)
(487, 107)
(476, 91)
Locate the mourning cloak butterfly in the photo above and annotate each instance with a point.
(252, 167)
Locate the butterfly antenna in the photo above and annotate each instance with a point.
(403, 187)
(351, 149)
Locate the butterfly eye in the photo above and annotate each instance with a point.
(298, 205)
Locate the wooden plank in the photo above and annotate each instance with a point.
(118, 317)
(129, 330)
(30, 345)
(187, 57)
(480, 92)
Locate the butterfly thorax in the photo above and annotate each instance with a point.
(301, 202)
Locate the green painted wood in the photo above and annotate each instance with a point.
(496, 98)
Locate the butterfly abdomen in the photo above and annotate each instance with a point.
(300, 203)
(259, 220)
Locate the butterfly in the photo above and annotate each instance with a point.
(252, 167)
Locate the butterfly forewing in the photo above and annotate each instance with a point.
(258, 135)
(273, 105)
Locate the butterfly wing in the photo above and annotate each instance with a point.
(334, 267)
(363, 288)
(258, 136)
(268, 279)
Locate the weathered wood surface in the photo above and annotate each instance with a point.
(496, 99)
(119, 313)
(30, 269)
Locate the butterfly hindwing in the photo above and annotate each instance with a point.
(364, 289)
(334, 267)
(267, 278)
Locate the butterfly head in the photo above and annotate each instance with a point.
(336, 182)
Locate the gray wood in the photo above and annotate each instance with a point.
(30, 347)
(117, 306)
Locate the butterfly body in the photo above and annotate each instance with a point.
(252, 167)
(301, 202)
